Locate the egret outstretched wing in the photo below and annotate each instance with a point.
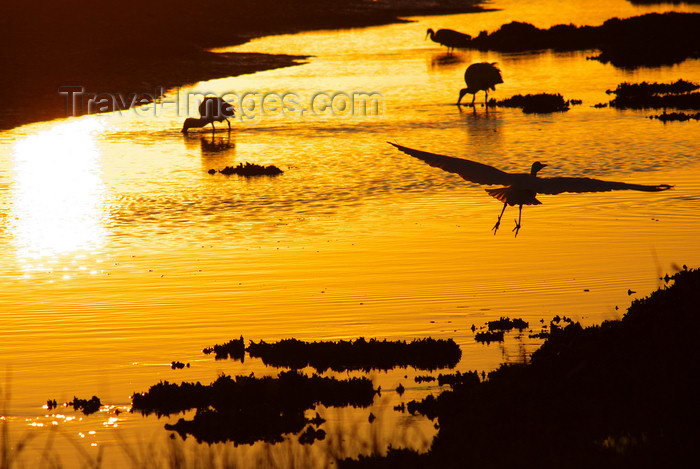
(522, 189)
(557, 185)
(469, 170)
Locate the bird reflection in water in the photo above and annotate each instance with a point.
(216, 149)
(216, 145)
(521, 188)
(446, 60)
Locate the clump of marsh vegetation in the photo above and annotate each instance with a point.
(246, 409)
(359, 354)
(249, 170)
(539, 103)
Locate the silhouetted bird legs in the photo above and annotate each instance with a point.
(498, 223)
(486, 100)
(213, 129)
(517, 222)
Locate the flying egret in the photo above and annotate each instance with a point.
(449, 38)
(211, 109)
(521, 188)
(480, 76)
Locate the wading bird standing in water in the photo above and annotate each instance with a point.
(449, 38)
(521, 188)
(480, 76)
(212, 109)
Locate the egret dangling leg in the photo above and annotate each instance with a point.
(498, 223)
(229, 125)
(517, 222)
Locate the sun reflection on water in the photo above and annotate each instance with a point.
(58, 197)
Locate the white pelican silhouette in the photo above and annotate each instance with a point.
(480, 76)
(521, 188)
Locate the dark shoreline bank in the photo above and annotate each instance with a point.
(619, 394)
(652, 39)
(138, 46)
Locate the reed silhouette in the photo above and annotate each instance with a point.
(481, 76)
(449, 38)
(521, 188)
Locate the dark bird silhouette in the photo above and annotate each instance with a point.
(449, 38)
(521, 188)
(481, 76)
(211, 109)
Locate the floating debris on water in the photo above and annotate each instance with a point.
(424, 379)
(507, 324)
(249, 169)
(86, 406)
